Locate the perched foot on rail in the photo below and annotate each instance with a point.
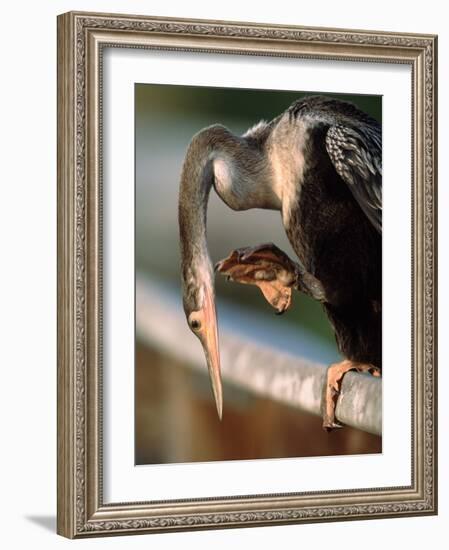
(269, 268)
(332, 386)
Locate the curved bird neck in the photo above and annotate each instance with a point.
(196, 182)
(237, 169)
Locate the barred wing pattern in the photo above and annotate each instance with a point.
(356, 154)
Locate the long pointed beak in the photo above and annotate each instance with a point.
(211, 348)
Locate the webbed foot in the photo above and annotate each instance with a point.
(265, 266)
(269, 268)
(332, 387)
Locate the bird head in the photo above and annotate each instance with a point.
(199, 307)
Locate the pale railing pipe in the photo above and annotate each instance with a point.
(257, 367)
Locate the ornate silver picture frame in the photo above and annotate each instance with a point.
(82, 41)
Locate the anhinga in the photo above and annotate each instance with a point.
(320, 164)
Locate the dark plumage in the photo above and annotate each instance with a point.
(336, 224)
(320, 164)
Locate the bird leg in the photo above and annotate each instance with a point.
(332, 387)
(270, 269)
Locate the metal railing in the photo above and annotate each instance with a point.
(252, 365)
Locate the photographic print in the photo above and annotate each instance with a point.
(245, 332)
(246, 281)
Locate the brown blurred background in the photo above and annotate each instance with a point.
(175, 415)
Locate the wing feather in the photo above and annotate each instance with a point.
(356, 154)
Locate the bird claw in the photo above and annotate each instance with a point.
(266, 267)
(331, 425)
(332, 389)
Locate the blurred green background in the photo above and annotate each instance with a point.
(166, 118)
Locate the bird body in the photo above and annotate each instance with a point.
(319, 164)
(339, 245)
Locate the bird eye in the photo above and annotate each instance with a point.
(195, 324)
